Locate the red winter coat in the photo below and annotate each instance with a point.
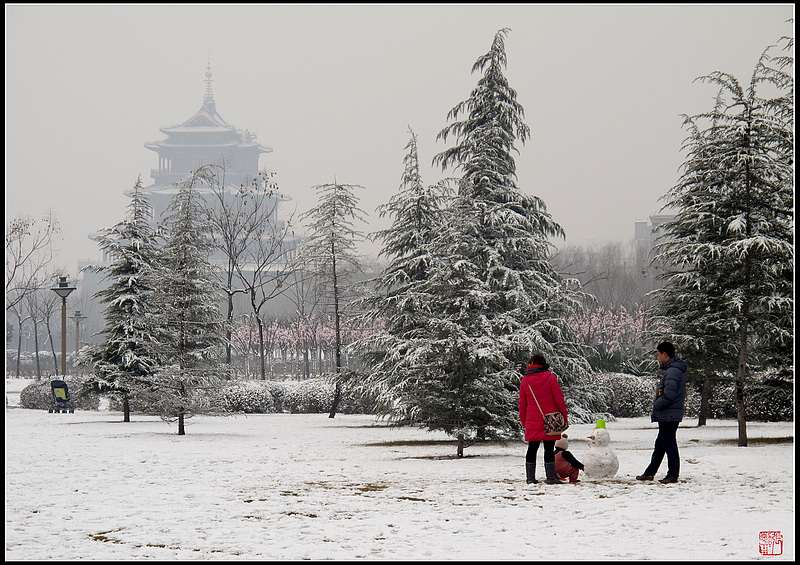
(550, 397)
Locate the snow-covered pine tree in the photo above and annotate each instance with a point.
(532, 301)
(331, 248)
(416, 210)
(489, 297)
(526, 302)
(392, 298)
(729, 253)
(186, 324)
(122, 362)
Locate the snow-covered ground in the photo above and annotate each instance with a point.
(280, 486)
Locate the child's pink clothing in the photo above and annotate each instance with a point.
(565, 469)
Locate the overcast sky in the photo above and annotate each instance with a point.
(333, 90)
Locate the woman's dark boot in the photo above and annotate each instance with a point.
(530, 472)
(550, 471)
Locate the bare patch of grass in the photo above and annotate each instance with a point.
(757, 441)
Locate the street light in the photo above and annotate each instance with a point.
(78, 318)
(63, 290)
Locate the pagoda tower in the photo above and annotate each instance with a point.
(203, 139)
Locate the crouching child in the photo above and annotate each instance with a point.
(567, 466)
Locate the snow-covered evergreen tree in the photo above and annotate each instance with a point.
(122, 362)
(392, 298)
(186, 324)
(729, 253)
(531, 300)
(416, 212)
(489, 297)
(331, 249)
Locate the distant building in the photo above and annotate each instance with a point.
(645, 234)
(204, 139)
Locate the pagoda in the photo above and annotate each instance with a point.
(203, 139)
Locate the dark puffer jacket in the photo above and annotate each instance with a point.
(671, 395)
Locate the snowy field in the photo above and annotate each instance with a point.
(292, 487)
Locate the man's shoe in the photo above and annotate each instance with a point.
(668, 479)
(644, 477)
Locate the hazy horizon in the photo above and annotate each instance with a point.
(333, 90)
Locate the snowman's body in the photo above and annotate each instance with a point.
(600, 461)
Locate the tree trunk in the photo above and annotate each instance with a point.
(461, 445)
(261, 348)
(52, 346)
(337, 397)
(338, 392)
(126, 408)
(181, 429)
(229, 326)
(36, 344)
(19, 344)
(705, 397)
(741, 369)
(741, 415)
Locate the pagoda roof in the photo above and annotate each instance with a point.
(206, 122)
(241, 143)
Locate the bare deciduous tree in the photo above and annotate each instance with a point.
(28, 252)
(256, 245)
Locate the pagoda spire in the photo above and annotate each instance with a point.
(208, 100)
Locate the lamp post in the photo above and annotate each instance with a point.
(78, 318)
(63, 290)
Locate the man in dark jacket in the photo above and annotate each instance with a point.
(668, 412)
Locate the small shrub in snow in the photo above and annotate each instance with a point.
(766, 400)
(249, 397)
(38, 396)
(626, 396)
(631, 396)
(278, 391)
(313, 396)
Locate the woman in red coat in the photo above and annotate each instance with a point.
(541, 382)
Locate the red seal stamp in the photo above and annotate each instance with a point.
(770, 543)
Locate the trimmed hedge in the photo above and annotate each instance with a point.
(311, 396)
(625, 396)
(247, 397)
(621, 396)
(38, 395)
(630, 396)
(763, 401)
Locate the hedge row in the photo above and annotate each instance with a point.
(629, 396)
(312, 396)
(38, 395)
(621, 395)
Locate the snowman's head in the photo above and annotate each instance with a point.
(600, 437)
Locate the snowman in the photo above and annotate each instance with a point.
(600, 461)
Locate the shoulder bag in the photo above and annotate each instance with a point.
(554, 422)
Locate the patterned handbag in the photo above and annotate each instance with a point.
(554, 422)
